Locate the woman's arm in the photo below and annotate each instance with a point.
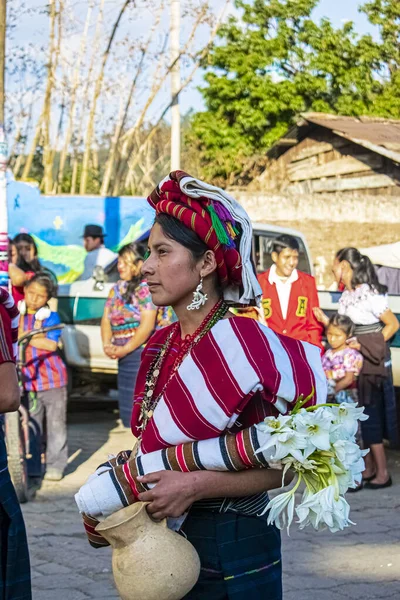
(9, 391)
(142, 334)
(175, 492)
(345, 382)
(320, 316)
(106, 332)
(391, 324)
(17, 275)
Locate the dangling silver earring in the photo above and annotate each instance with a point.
(199, 298)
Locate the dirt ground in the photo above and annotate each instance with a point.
(324, 239)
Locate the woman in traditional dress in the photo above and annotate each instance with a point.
(365, 302)
(15, 574)
(128, 321)
(201, 379)
(210, 373)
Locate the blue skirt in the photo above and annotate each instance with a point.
(15, 574)
(128, 368)
(381, 410)
(240, 556)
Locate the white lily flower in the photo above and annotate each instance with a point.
(316, 429)
(341, 515)
(323, 508)
(355, 472)
(305, 515)
(320, 446)
(275, 424)
(281, 510)
(347, 415)
(292, 463)
(347, 452)
(339, 432)
(286, 443)
(344, 478)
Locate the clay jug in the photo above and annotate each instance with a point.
(149, 561)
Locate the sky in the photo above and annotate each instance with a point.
(35, 29)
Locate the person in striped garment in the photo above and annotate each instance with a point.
(15, 577)
(45, 380)
(206, 375)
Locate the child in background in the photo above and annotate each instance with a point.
(341, 364)
(44, 379)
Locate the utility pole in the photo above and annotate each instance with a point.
(3, 154)
(175, 86)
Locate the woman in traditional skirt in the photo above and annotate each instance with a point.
(365, 302)
(15, 577)
(128, 321)
(209, 373)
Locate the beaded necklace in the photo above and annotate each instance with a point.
(149, 403)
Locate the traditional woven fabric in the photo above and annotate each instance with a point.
(8, 334)
(125, 315)
(128, 368)
(95, 539)
(235, 361)
(240, 556)
(116, 485)
(15, 578)
(227, 377)
(213, 215)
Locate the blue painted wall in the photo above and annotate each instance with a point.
(57, 223)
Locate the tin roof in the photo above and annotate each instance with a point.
(377, 134)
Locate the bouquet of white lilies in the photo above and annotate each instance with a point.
(318, 444)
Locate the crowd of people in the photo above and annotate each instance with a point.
(357, 359)
(199, 263)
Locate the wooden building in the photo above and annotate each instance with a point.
(326, 153)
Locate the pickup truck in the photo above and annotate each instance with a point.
(81, 305)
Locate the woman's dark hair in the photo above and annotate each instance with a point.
(32, 265)
(132, 253)
(21, 262)
(363, 269)
(284, 241)
(177, 231)
(44, 280)
(343, 322)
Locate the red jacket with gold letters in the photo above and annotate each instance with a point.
(300, 322)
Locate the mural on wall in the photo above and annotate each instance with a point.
(57, 222)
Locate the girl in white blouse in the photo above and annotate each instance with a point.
(365, 302)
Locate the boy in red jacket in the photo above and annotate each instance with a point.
(289, 295)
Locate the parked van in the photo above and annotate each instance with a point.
(81, 306)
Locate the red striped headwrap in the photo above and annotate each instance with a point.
(208, 219)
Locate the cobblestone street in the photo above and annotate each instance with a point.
(363, 561)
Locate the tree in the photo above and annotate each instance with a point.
(44, 118)
(385, 14)
(73, 94)
(272, 63)
(67, 83)
(96, 94)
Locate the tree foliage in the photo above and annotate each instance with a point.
(275, 61)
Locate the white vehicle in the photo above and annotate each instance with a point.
(81, 306)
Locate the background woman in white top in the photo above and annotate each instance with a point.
(365, 302)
